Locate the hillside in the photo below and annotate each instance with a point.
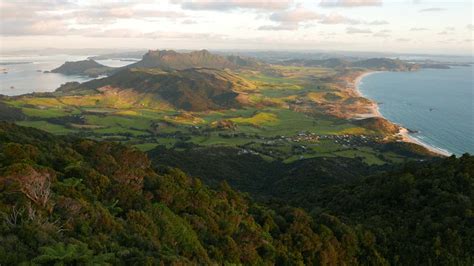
(73, 201)
(419, 211)
(385, 64)
(85, 67)
(378, 124)
(190, 89)
(169, 59)
(372, 63)
(70, 200)
(329, 63)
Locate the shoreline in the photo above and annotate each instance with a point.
(374, 110)
(404, 133)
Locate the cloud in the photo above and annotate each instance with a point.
(34, 27)
(189, 21)
(295, 16)
(403, 40)
(129, 33)
(381, 34)
(433, 9)
(64, 17)
(447, 30)
(447, 40)
(34, 18)
(234, 4)
(349, 3)
(418, 29)
(291, 19)
(338, 19)
(352, 30)
(110, 13)
(377, 22)
(279, 27)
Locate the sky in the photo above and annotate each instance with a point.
(396, 26)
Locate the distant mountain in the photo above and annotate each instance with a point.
(163, 59)
(330, 63)
(85, 67)
(372, 63)
(169, 59)
(195, 89)
(120, 55)
(385, 64)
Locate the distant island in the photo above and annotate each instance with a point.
(86, 67)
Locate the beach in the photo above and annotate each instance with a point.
(404, 133)
(374, 108)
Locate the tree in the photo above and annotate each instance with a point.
(69, 254)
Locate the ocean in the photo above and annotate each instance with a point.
(436, 103)
(24, 74)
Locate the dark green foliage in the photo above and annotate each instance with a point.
(253, 174)
(416, 213)
(420, 213)
(72, 201)
(8, 113)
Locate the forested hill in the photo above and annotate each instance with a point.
(68, 200)
(71, 201)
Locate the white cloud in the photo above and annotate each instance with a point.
(377, 22)
(433, 9)
(338, 19)
(234, 4)
(189, 21)
(350, 3)
(382, 34)
(352, 30)
(279, 27)
(292, 19)
(447, 30)
(295, 16)
(418, 29)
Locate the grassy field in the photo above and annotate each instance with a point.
(265, 124)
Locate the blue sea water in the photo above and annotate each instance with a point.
(437, 103)
(25, 74)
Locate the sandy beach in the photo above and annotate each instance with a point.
(374, 108)
(404, 133)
